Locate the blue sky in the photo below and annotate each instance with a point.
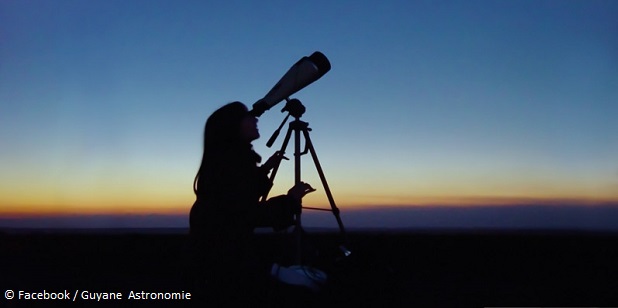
(102, 103)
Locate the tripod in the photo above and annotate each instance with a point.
(295, 108)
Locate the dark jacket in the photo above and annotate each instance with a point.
(228, 192)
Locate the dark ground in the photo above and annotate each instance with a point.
(386, 269)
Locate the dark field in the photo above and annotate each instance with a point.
(386, 269)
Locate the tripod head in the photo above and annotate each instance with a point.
(294, 107)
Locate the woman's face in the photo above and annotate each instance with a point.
(248, 128)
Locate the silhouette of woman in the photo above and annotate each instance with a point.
(228, 187)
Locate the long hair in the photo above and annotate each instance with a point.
(222, 139)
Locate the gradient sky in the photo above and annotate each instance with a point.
(103, 103)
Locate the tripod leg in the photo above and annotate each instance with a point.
(282, 150)
(297, 222)
(297, 168)
(331, 200)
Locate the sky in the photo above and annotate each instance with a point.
(427, 104)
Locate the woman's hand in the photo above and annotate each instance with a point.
(273, 161)
(300, 190)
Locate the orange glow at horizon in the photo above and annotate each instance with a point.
(160, 191)
(180, 207)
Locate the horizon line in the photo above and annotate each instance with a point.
(358, 208)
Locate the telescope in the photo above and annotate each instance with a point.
(301, 74)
